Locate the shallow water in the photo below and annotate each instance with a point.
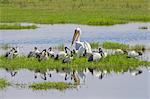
(48, 35)
(112, 86)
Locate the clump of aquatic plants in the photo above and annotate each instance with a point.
(116, 45)
(51, 85)
(16, 26)
(116, 62)
(143, 27)
(3, 83)
(59, 46)
(94, 44)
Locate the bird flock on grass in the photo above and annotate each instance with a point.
(78, 49)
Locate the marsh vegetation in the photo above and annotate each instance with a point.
(3, 83)
(91, 12)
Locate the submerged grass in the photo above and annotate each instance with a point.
(16, 26)
(3, 83)
(50, 85)
(92, 12)
(114, 62)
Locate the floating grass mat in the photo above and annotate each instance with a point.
(16, 26)
(51, 85)
(116, 63)
(3, 83)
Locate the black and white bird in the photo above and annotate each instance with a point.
(34, 53)
(62, 54)
(68, 58)
(50, 52)
(96, 56)
(12, 53)
(43, 55)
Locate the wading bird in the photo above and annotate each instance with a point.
(50, 52)
(12, 53)
(68, 58)
(80, 47)
(62, 54)
(34, 53)
(96, 56)
(43, 55)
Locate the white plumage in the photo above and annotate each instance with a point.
(81, 47)
(134, 54)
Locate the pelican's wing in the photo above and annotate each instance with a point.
(87, 47)
(78, 44)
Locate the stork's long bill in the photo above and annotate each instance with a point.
(75, 37)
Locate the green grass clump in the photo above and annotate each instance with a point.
(50, 85)
(114, 62)
(59, 47)
(3, 83)
(114, 45)
(16, 26)
(92, 12)
(138, 47)
(94, 44)
(143, 27)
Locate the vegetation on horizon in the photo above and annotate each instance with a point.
(91, 12)
(16, 26)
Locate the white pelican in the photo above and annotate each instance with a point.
(80, 47)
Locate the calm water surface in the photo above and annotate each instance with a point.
(112, 86)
